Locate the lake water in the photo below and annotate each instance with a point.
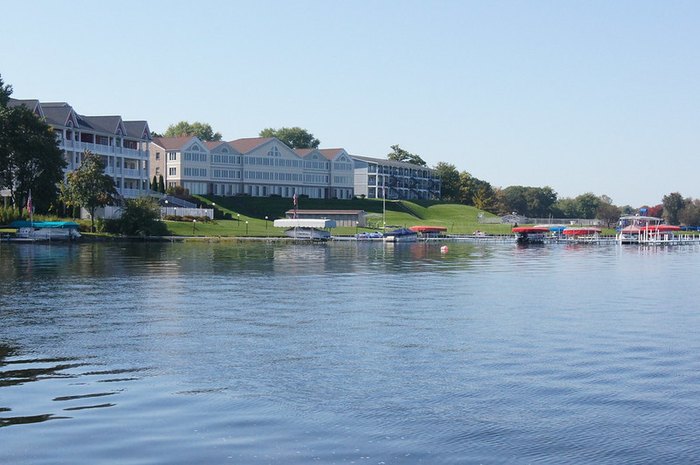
(349, 353)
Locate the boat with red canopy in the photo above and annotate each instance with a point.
(639, 229)
(429, 230)
(530, 234)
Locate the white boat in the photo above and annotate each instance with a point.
(309, 229)
(32, 231)
(638, 229)
(401, 235)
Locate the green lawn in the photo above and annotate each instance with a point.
(232, 213)
(458, 219)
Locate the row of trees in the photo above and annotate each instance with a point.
(294, 137)
(543, 202)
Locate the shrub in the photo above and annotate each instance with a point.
(9, 214)
(141, 217)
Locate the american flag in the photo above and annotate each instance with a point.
(296, 204)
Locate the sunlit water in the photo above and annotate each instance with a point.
(349, 353)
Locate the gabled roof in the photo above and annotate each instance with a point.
(248, 144)
(57, 113)
(331, 153)
(108, 124)
(212, 144)
(218, 145)
(304, 152)
(33, 105)
(137, 130)
(173, 143)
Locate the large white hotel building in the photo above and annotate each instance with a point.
(256, 166)
(122, 145)
(261, 167)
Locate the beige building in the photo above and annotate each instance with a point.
(259, 167)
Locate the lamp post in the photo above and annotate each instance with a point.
(246, 228)
(175, 215)
(357, 225)
(213, 210)
(238, 221)
(265, 223)
(194, 226)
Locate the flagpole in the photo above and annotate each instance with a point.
(383, 203)
(30, 208)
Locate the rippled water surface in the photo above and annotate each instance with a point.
(349, 353)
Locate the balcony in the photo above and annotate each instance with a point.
(100, 149)
(132, 193)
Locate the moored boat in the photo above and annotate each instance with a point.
(401, 235)
(32, 231)
(429, 231)
(530, 234)
(638, 229)
(582, 233)
(308, 229)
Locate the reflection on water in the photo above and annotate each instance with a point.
(356, 352)
(18, 372)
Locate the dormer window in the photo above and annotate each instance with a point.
(274, 152)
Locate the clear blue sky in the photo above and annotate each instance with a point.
(583, 96)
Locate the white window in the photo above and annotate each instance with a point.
(172, 171)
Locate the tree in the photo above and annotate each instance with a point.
(399, 154)
(656, 210)
(514, 201)
(690, 215)
(141, 217)
(201, 130)
(540, 201)
(29, 155)
(673, 204)
(449, 179)
(5, 92)
(154, 183)
(474, 191)
(565, 208)
(91, 187)
(295, 138)
(161, 184)
(587, 205)
(66, 197)
(606, 211)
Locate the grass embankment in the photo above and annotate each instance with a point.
(245, 216)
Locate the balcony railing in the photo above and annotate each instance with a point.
(132, 193)
(100, 149)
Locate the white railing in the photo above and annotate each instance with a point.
(132, 193)
(131, 173)
(181, 211)
(100, 149)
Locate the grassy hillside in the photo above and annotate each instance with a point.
(459, 219)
